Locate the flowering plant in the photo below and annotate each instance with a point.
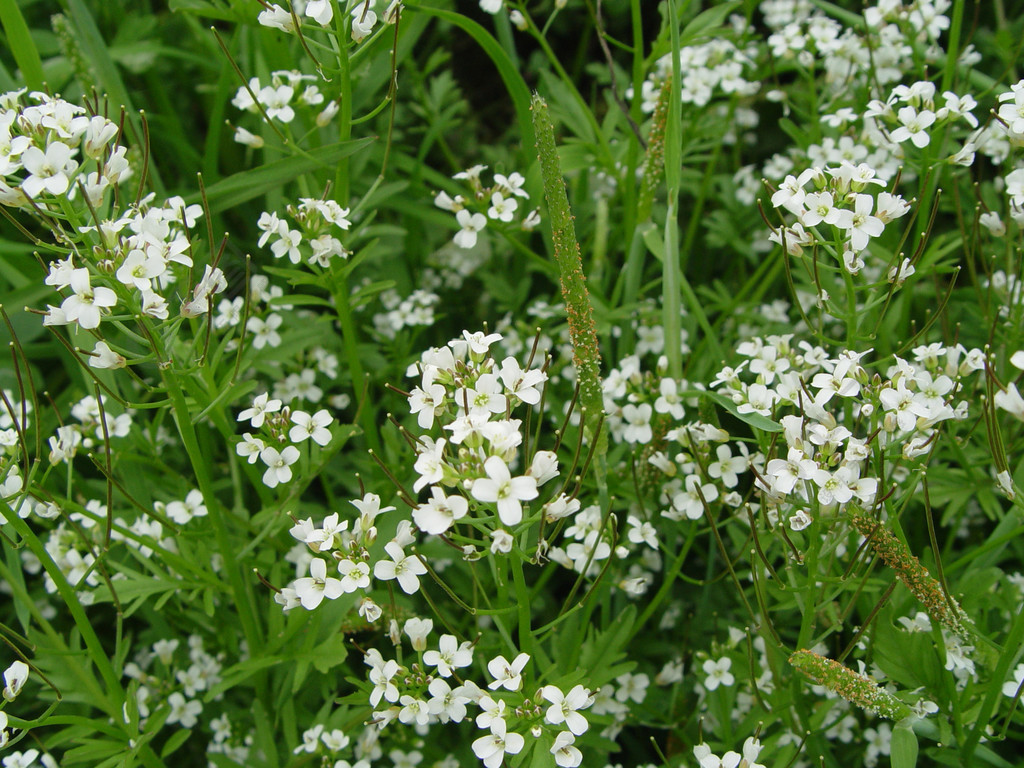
(363, 409)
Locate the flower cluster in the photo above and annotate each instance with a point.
(170, 688)
(313, 238)
(280, 424)
(420, 694)
(348, 553)
(417, 309)
(278, 100)
(841, 199)
(363, 17)
(50, 148)
(463, 391)
(97, 423)
(920, 116)
(715, 66)
(500, 201)
(141, 251)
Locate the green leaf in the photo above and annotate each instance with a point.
(22, 46)
(97, 52)
(755, 420)
(654, 240)
(908, 658)
(798, 135)
(91, 751)
(239, 673)
(246, 185)
(175, 742)
(903, 747)
(204, 9)
(707, 22)
(602, 650)
(329, 654)
(514, 82)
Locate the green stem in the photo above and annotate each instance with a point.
(113, 699)
(350, 340)
(1010, 649)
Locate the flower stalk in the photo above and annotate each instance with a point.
(855, 688)
(579, 310)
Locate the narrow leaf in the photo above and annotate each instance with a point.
(246, 185)
(22, 46)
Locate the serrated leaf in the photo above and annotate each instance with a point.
(514, 83)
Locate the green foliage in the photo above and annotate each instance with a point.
(666, 412)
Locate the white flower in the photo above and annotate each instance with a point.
(363, 21)
(430, 463)
(182, 512)
(502, 208)
(276, 102)
(449, 656)
(491, 749)
(314, 588)
(140, 267)
(48, 170)
(500, 487)
(632, 687)
(564, 707)
(212, 282)
(14, 679)
(183, 711)
(471, 223)
(381, 677)
(261, 406)
(264, 332)
(501, 542)
(440, 512)
(84, 304)
(914, 126)
(321, 11)
(278, 463)
(405, 569)
(863, 225)
(566, 755)
(447, 704)
(718, 673)
(413, 710)
(427, 403)
(638, 423)
(104, 357)
(417, 630)
(278, 18)
(354, 575)
(544, 467)
(1010, 687)
(315, 427)
(506, 675)
(689, 503)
